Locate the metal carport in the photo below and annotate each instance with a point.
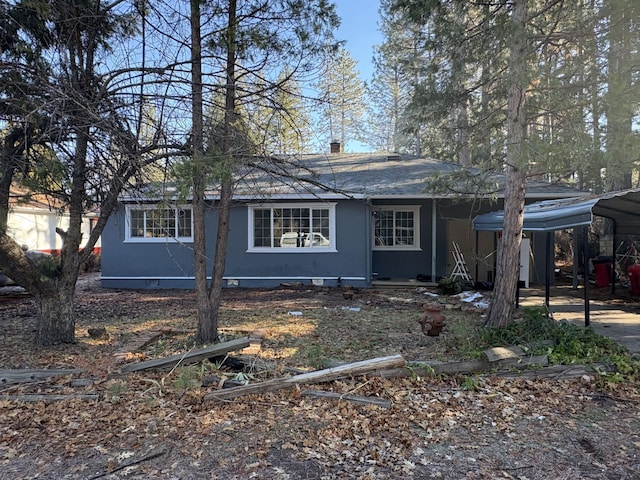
(621, 207)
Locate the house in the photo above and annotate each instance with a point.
(32, 223)
(332, 219)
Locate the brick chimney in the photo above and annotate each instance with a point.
(335, 147)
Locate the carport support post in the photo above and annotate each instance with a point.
(547, 275)
(576, 259)
(585, 245)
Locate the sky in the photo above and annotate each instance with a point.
(359, 27)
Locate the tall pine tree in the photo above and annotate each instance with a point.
(341, 100)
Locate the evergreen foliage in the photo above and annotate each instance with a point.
(582, 94)
(341, 100)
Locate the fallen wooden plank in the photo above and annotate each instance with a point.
(360, 400)
(425, 369)
(318, 376)
(50, 398)
(557, 372)
(139, 342)
(189, 357)
(8, 377)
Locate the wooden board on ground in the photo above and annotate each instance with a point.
(466, 367)
(8, 377)
(556, 372)
(357, 399)
(193, 356)
(318, 376)
(139, 341)
(87, 397)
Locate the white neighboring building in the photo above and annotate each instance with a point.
(34, 224)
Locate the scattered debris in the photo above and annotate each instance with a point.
(492, 360)
(499, 354)
(556, 372)
(193, 356)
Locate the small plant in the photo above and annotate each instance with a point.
(217, 365)
(115, 391)
(425, 369)
(243, 378)
(450, 286)
(315, 357)
(471, 384)
(188, 378)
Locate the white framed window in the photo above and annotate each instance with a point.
(153, 223)
(396, 227)
(292, 228)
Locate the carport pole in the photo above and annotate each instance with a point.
(585, 256)
(547, 273)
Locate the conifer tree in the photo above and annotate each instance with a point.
(340, 101)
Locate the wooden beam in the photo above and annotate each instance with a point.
(425, 369)
(380, 402)
(89, 397)
(188, 357)
(557, 372)
(318, 376)
(8, 377)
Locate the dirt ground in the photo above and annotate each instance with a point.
(158, 424)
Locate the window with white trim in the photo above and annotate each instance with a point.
(292, 227)
(396, 227)
(151, 223)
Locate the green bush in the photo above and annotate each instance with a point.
(563, 342)
(450, 285)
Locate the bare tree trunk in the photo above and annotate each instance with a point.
(226, 189)
(199, 180)
(220, 260)
(508, 268)
(55, 314)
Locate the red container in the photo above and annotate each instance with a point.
(634, 279)
(603, 272)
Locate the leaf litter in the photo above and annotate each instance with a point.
(151, 425)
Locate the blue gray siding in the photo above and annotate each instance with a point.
(403, 264)
(170, 265)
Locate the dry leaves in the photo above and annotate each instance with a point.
(144, 426)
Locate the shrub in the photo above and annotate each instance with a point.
(450, 285)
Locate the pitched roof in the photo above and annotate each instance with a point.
(373, 176)
(362, 175)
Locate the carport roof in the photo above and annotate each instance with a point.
(622, 207)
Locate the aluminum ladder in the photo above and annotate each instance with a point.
(460, 269)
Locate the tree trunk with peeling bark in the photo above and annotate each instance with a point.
(508, 267)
